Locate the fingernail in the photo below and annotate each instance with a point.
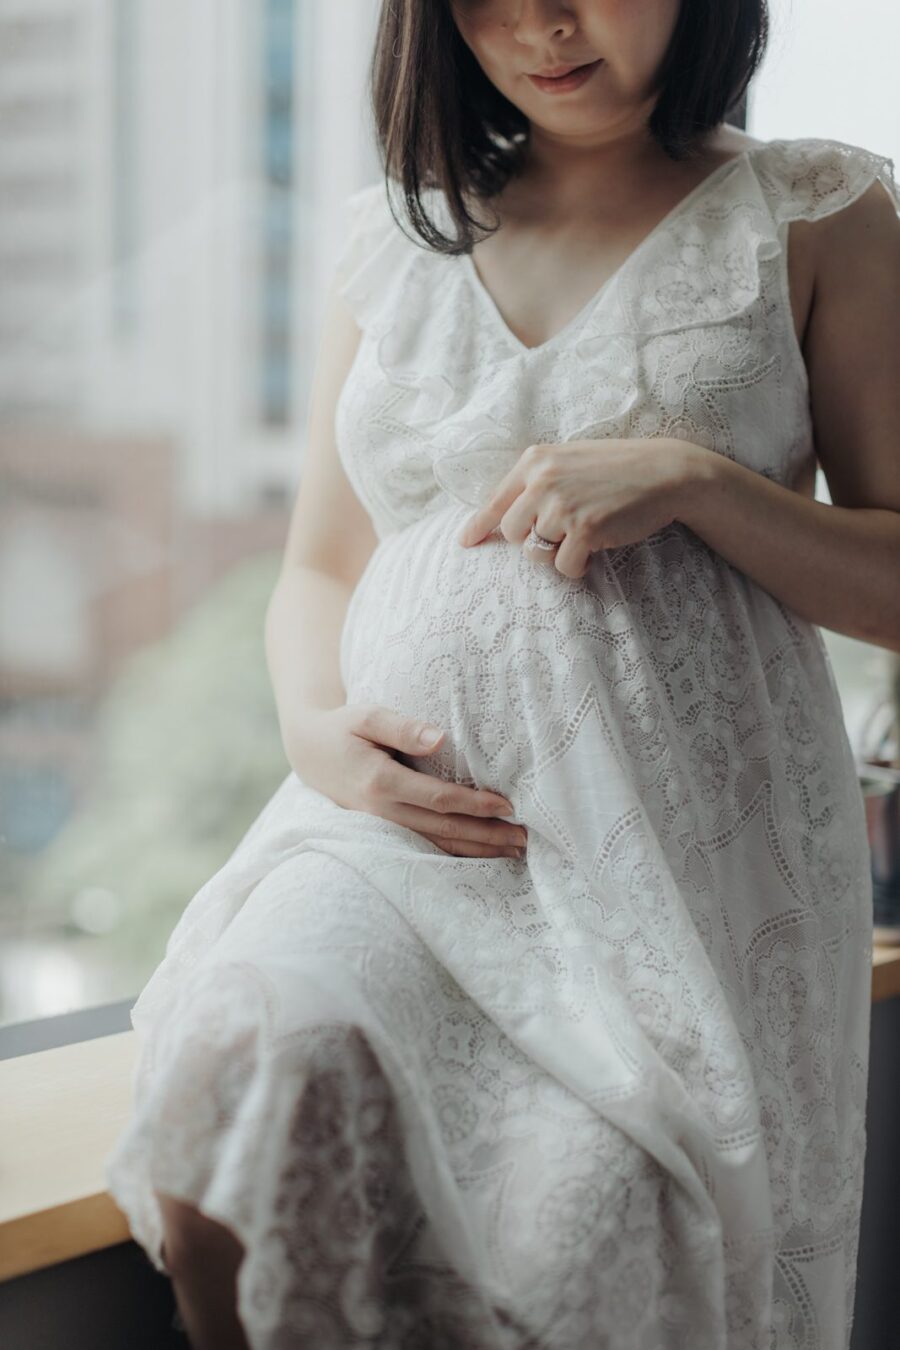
(504, 808)
(522, 838)
(428, 735)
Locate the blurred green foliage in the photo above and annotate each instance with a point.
(189, 752)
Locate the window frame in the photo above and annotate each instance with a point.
(82, 1024)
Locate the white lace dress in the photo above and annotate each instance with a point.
(611, 1095)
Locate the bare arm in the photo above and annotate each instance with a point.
(835, 564)
(330, 539)
(344, 752)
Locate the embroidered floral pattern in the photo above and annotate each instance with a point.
(613, 1093)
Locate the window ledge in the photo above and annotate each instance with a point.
(65, 1109)
(885, 972)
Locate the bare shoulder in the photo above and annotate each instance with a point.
(863, 235)
(851, 349)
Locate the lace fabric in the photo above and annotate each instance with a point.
(613, 1093)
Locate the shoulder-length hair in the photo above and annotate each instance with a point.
(440, 123)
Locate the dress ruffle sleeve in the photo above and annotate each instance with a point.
(812, 177)
(373, 250)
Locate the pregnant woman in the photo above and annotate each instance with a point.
(548, 1030)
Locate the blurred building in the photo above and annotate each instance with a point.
(44, 254)
(171, 183)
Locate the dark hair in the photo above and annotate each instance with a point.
(441, 123)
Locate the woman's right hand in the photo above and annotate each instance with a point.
(348, 753)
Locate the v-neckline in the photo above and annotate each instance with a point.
(490, 304)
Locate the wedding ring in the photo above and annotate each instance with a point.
(536, 540)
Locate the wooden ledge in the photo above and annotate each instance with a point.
(885, 972)
(64, 1109)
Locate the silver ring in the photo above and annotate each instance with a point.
(538, 541)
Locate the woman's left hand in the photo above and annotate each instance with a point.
(590, 495)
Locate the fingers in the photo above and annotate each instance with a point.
(452, 829)
(487, 517)
(462, 848)
(572, 558)
(543, 557)
(460, 819)
(390, 779)
(383, 726)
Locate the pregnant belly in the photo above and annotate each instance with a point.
(477, 641)
(516, 662)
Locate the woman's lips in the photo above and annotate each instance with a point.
(574, 80)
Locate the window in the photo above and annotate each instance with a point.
(170, 185)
